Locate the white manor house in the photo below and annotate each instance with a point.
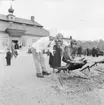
(23, 32)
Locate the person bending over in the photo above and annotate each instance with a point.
(37, 50)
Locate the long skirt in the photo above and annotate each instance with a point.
(55, 60)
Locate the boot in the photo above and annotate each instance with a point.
(39, 75)
(45, 73)
(64, 68)
(59, 70)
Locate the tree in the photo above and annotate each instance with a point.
(79, 51)
(94, 52)
(89, 52)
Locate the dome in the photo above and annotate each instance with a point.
(11, 10)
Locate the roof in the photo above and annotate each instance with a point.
(66, 38)
(20, 20)
(37, 31)
(30, 30)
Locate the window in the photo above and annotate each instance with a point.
(5, 42)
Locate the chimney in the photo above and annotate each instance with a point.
(70, 37)
(32, 18)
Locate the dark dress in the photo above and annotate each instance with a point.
(8, 57)
(55, 59)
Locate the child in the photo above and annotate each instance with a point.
(8, 57)
(15, 53)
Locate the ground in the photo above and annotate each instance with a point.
(20, 86)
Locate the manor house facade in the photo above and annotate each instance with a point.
(22, 32)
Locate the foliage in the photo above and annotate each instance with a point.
(90, 48)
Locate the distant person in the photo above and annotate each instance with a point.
(29, 50)
(8, 57)
(20, 46)
(15, 53)
(16, 46)
(12, 48)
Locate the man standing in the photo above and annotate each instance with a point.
(8, 57)
(37, 51)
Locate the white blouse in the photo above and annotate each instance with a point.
(43, 44)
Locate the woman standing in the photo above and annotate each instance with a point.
(55, 58)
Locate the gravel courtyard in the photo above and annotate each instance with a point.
(20, 86)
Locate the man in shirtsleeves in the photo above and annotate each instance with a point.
(37, 50)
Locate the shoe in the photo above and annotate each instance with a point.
(40, 75)
(45, 73)
(7, 65)
(58, 70)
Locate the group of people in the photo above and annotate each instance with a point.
(57, 49)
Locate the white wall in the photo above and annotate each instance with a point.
(29, 40)
(67, 40)
(4, 40)
(3, 25)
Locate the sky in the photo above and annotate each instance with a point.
(81, 19)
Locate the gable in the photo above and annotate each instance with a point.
(20, 20)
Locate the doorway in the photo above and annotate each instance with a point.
(16, 46)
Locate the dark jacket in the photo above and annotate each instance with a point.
(8, 55)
